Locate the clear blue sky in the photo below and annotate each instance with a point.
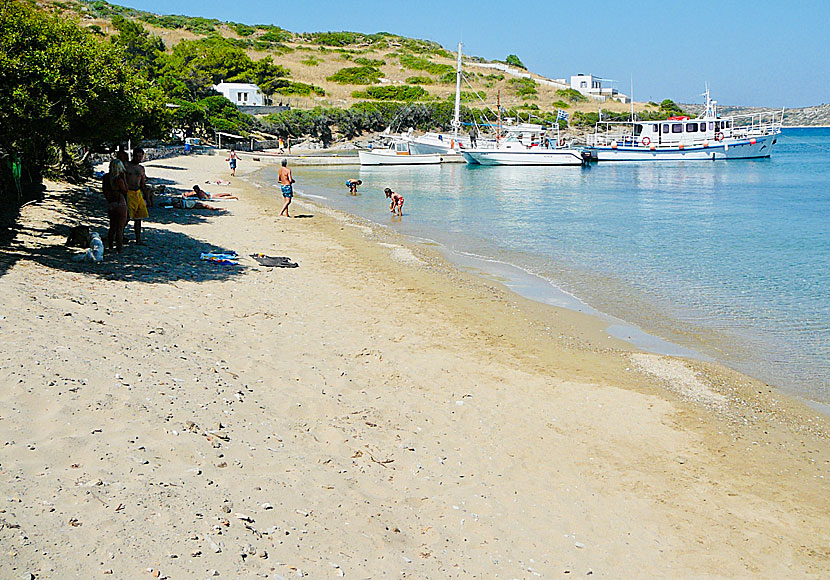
(761, 52)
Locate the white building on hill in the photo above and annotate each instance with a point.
(241, 93)
(591, 86)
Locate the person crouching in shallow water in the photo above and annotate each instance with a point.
(352, 185)
(136, 182)
(286, 180)
(115, 191)
(397, 201)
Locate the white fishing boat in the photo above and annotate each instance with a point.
(704, 138)
(397, 153)
(525, 144)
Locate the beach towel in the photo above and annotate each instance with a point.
(274, 261)
(226, 258)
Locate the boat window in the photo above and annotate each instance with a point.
(717, 126)
(677, 128)
(638, 129)
(691, 127)
(665, 128)
(711, 125)
(654, 128)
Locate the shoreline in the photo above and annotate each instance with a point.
(663, 337)
(374, 411)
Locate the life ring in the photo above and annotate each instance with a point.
(718, 136)
(645, 141)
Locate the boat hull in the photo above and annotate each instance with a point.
(750, 148)
(387, 158)
(539, 157)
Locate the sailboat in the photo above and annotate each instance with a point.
(447, 145)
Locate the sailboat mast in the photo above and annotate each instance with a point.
(456, 120)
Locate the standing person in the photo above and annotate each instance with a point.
(232, 161)
(285, 180)
(114, 186)
(397, 201)
(352, 185)
(136, 182)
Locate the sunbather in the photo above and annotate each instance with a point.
(202, 194)
(189, 203)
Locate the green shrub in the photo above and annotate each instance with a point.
(525, 88)
(286, 87)
(419, 80)
(469, 96)
(369, 61)
(572, 95)
(311, 61)
(357, 75)
(513, 60)
(392, 93)
(420, 63)
(560, 104)
(242, 29)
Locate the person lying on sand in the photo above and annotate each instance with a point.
(202, 194)
(190, 203)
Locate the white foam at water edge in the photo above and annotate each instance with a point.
(314, 196)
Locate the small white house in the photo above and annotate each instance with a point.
(586, 83)
(591, 86)
(241, 93)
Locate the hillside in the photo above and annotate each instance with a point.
(315, 58)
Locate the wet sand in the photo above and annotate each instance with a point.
(372, 412)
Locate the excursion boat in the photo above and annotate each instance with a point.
(525, 144)
(398, 153)
(707, 137)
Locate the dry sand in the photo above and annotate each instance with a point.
(372, 413)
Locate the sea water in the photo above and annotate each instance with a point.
(728, 260)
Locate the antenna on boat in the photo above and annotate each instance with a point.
(710, 104)
(456, 120)
(632, 97)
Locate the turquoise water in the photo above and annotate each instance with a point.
(730, 259)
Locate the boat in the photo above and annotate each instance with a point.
(448, 145)
(682, 138)
(525, 144)
(397, 153)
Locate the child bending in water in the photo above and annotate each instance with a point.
(352, 185)
(397, 201)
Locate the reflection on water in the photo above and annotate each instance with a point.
(731, 258)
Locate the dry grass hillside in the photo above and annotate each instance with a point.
(313, 63)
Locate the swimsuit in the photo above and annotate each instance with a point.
(233, 163)
(397, 200)
(287, 190)
(136, 205)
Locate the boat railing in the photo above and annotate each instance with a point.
(754, 124)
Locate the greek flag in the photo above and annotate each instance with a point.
(561, 114)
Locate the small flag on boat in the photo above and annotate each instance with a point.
(561, 114)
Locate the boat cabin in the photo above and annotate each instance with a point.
(681, 131)
(529, 135)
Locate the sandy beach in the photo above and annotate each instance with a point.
(373, 412)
